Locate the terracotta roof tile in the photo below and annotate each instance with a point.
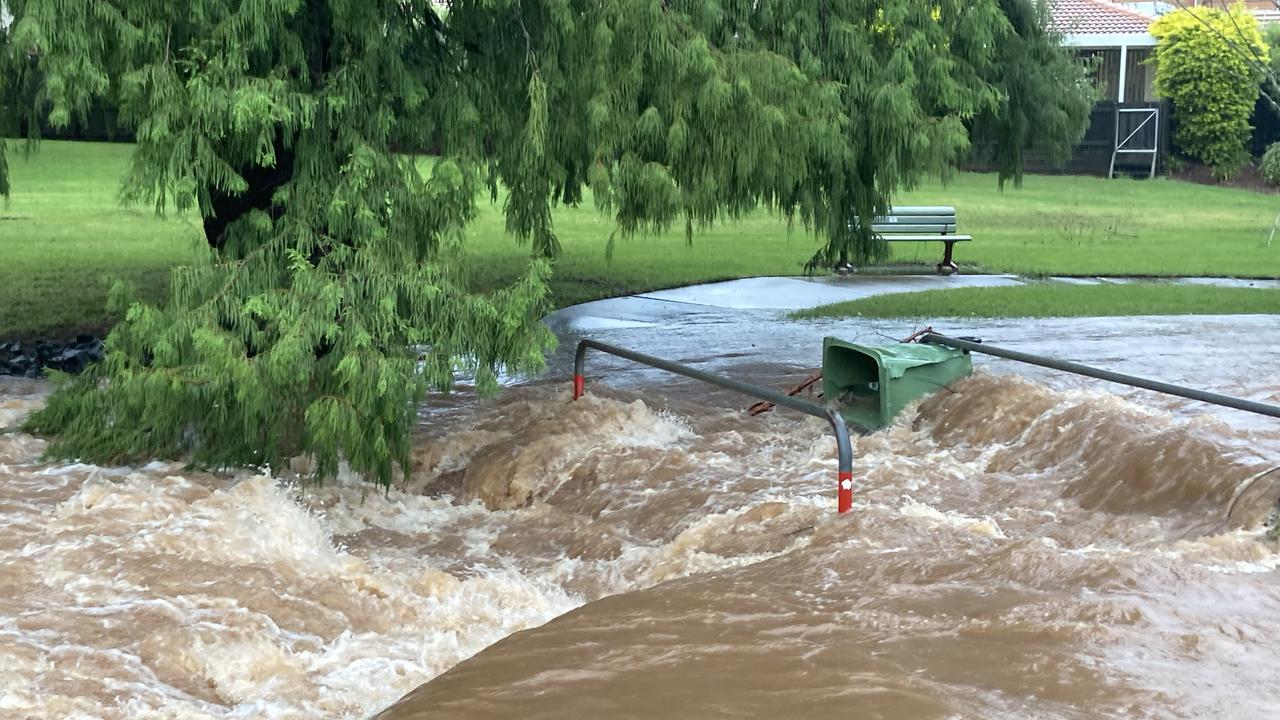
(1095, 17)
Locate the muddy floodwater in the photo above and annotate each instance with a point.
(1023, 545)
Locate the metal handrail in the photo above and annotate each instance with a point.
(844, 447)
(1100, 374)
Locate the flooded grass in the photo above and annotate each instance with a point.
(1055, 299)
(64, 237)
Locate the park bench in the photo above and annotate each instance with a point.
(922, 223)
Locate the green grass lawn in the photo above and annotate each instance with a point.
(63, 235)
(1055, 299)
(1052, 225)
(1060, 225)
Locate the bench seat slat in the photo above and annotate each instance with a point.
(915, 220)
(922, 210)
(899, 228)
(893, 237)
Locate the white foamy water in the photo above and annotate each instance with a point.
(200, 596)
(160, 592)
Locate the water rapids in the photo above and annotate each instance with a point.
(1017, 549)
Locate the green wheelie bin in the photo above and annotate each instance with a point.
(869, 385)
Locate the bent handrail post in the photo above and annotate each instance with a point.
(844, 446)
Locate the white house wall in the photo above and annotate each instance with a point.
(1110, 40)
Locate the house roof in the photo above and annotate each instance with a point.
(1095, 17)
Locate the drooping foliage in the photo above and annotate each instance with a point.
(6, 96)
(1270, 165)
(692, 111)
(1209, 63)
(1034, 114)
(1271, 38)
(329, 305)
(332, 298)
(1269, 89)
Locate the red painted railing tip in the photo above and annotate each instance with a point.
(844, 492)
(579, 386)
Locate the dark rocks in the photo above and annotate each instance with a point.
(30, 360)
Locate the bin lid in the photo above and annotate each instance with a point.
(897, 359)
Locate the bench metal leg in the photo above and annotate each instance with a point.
(947, 266)
(843, 266)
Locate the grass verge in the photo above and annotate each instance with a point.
(64, 239)
(1055, 299)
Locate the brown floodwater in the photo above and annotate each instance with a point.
(1024, 545)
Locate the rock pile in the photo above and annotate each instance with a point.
(32, 359)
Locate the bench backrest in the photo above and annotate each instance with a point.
(940, 219)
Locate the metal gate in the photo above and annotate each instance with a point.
(1137, 133)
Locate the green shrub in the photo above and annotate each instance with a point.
(1208, 64)
(1271, 164)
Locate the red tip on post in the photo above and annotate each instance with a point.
(579, 386)
(844, 493)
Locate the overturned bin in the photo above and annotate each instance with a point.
(869, 385)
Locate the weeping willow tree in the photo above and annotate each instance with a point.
(332, 298)
(7, 69)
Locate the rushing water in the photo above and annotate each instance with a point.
(1023, 545)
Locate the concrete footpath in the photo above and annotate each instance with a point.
(781, 294)
(789, 293)
(752, 296)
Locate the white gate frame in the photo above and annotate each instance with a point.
(1122, 146)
